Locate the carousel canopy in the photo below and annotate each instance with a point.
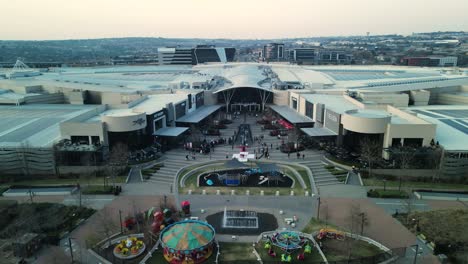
(187, 235)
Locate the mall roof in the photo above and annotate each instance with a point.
(318, 131)
(290, 115)
(451, 121)
(170, 131)
(199, 114)
(157, 102)
(336, 103)
(36, 125)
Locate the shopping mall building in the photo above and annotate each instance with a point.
(85, 109)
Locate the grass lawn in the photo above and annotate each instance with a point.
(316, 225)
(56, 181)
(409, 184)
(338, 250)
(313, 257)
(236, 252)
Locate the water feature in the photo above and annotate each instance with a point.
(239, 219)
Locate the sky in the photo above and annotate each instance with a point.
(235, 19)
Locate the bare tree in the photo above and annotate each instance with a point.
(107, 224)
(370, 151)
(118, 160)
(437, 157)
(405, 157)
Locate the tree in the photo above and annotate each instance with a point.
(408, 206)
(118, 160)
(106, 224)
(437, 157)
(370, 151)
(405, 157)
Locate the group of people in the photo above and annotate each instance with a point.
(298, 155)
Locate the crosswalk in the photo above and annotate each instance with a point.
(175, 159)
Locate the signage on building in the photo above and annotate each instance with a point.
(332, 121)
(158, 114)
(140, 121)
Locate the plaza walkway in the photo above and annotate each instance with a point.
(176, 158)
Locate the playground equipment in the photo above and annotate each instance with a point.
(330, 233)
(187, 242)
(185, 207)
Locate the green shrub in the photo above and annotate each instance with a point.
(381, 193)
(339, 172)
(329, 167)
(98, 190)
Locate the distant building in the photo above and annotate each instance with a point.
(319, 56)
(273, 52)
(334, 57)
(303, 55)
(135, 59)
(175, 56)
(430, 61)
(205, 54)
(179, 56)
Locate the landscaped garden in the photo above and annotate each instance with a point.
(191, 181)
(445, 230)
(49, 219)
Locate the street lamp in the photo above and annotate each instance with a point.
(71, 248)
(318, 208)
(416, 253)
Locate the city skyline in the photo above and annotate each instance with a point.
(54, 19)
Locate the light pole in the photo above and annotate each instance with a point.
(71, 248)
(384, 184)
(318, 208)
(120, 218)
(362, 222)
(416, 253)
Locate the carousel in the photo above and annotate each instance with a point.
(187, 242)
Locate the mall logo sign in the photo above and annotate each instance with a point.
(140, 121)
(332, 117)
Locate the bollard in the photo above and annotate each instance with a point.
(203, 192)
(189, 192)
(306, 193)
(262, 193)
(277, 193)
(247, 192)
(202, 211)
(218, 192)
(281, 212)
(292, 193)
(233, 192)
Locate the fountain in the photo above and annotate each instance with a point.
(240, 219)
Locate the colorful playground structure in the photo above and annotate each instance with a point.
(330, 233)
(288, 242)
(187, 242)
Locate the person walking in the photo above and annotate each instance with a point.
(303, 156)
(289, 154)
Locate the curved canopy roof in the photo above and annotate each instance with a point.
(244, 76)
(187, 235)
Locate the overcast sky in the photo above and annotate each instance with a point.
(72, 19)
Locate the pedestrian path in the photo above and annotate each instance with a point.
(175, 159)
